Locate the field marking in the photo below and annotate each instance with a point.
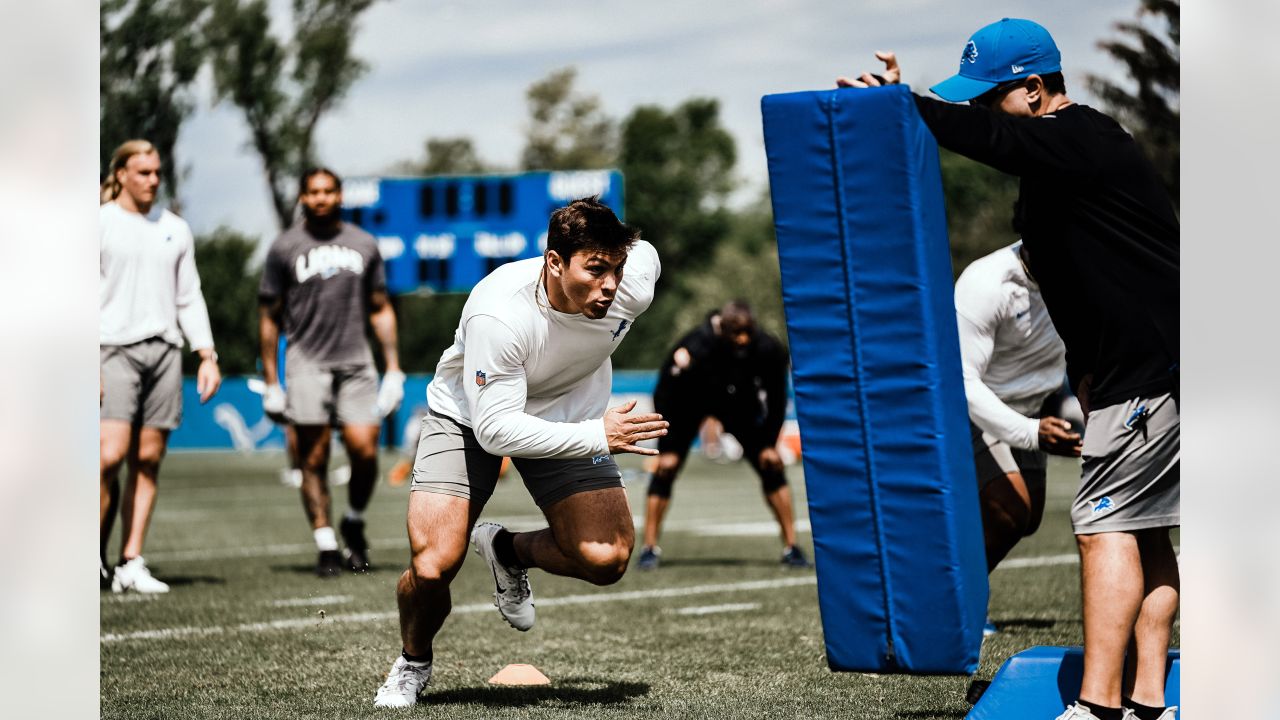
(1042, 561)
(712, 609)
(309, 601)
(296, 623)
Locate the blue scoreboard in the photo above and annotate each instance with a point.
(443, 234)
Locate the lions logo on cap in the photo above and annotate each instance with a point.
(970, 53)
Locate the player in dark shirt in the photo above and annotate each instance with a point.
(729, 369)
(1104, 245)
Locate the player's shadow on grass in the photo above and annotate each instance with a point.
(570, 691)
(181, 580)
(310, 569)
(1031, 623)
(719, 562)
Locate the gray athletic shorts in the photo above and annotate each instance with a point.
(450, 461)
(1130, 477)
(993, 458)
(344, 395)
(142, 383)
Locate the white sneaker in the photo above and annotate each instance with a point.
(405, 684)
(512, 595)
(135, 576)
(1170, 713)
(291, 477)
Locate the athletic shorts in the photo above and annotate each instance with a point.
(343, 395)
(450, 461)
(1130, 476)
(993, 458)
(686, 418)
(142, 383)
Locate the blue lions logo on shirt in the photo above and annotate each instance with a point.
(970, 53)
(1103, 505)
(622, 325)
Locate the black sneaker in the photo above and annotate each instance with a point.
(794, 558)
(357, 554)
(329, 564)
(650, 557)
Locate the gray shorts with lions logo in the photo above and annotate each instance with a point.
(142, 383)
(1130, 476)
(450, 461)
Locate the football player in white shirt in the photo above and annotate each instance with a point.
(149, 298)
(1013, 362)
(529, 377)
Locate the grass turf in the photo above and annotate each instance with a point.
(249, 632)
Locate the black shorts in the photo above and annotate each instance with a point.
(686, 416)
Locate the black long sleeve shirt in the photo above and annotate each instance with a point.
(729, 382)
(1101, 233)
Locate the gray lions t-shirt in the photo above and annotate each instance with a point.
(325, 284)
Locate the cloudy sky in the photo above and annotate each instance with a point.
(461, 68)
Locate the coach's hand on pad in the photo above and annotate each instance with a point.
(391, 392)
(892, 74)
(273, 403)
(1056, 437)
(624, 432)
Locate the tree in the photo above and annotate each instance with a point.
(222, 259)
(678, 167)
(151, 52)
(284, 88)
(567, 130)
(445, 156)
(1149, 111)
(979, 203)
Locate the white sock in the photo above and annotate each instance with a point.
(325, 539)
(353, 514)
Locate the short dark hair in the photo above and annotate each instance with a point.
(588, 224)
(314, 171)
(1054, 83)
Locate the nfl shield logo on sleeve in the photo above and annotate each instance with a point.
(480, 378)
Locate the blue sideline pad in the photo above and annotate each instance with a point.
(1041, 681)
(868, 291)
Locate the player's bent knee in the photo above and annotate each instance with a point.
(429, 568)
(772, 480)
(664, 475)
(604, 563)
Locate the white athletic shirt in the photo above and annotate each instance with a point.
(531, 381)
(1012, 357)
(147, 285)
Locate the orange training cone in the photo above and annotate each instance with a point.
(519, 674)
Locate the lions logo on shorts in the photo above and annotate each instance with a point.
(480, 378)
(970, 53)
(1104, 504)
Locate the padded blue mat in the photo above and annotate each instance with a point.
(867, 286)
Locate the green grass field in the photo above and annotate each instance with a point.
(249, 632)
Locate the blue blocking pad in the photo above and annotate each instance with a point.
(1039, 682)
(868, 292)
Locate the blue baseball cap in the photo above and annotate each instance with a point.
(1002, 51)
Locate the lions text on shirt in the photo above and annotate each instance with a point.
(1011, 355)
(148, 286)
(532, 381)
(325, 284)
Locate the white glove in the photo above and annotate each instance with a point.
(390, 393)
(273, 402)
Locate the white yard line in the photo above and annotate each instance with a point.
(712, 609)
(310, 601)
(298, 623)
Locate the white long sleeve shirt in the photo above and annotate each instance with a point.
(531, 381)
(148, 285)
(1011, 355)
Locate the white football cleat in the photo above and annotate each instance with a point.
(405, 684)
(512, 593)
(134, 575)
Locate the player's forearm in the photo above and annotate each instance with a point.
(993, 416)
(268, 339)
(518, 434)
(193, 318)
(383, 321)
